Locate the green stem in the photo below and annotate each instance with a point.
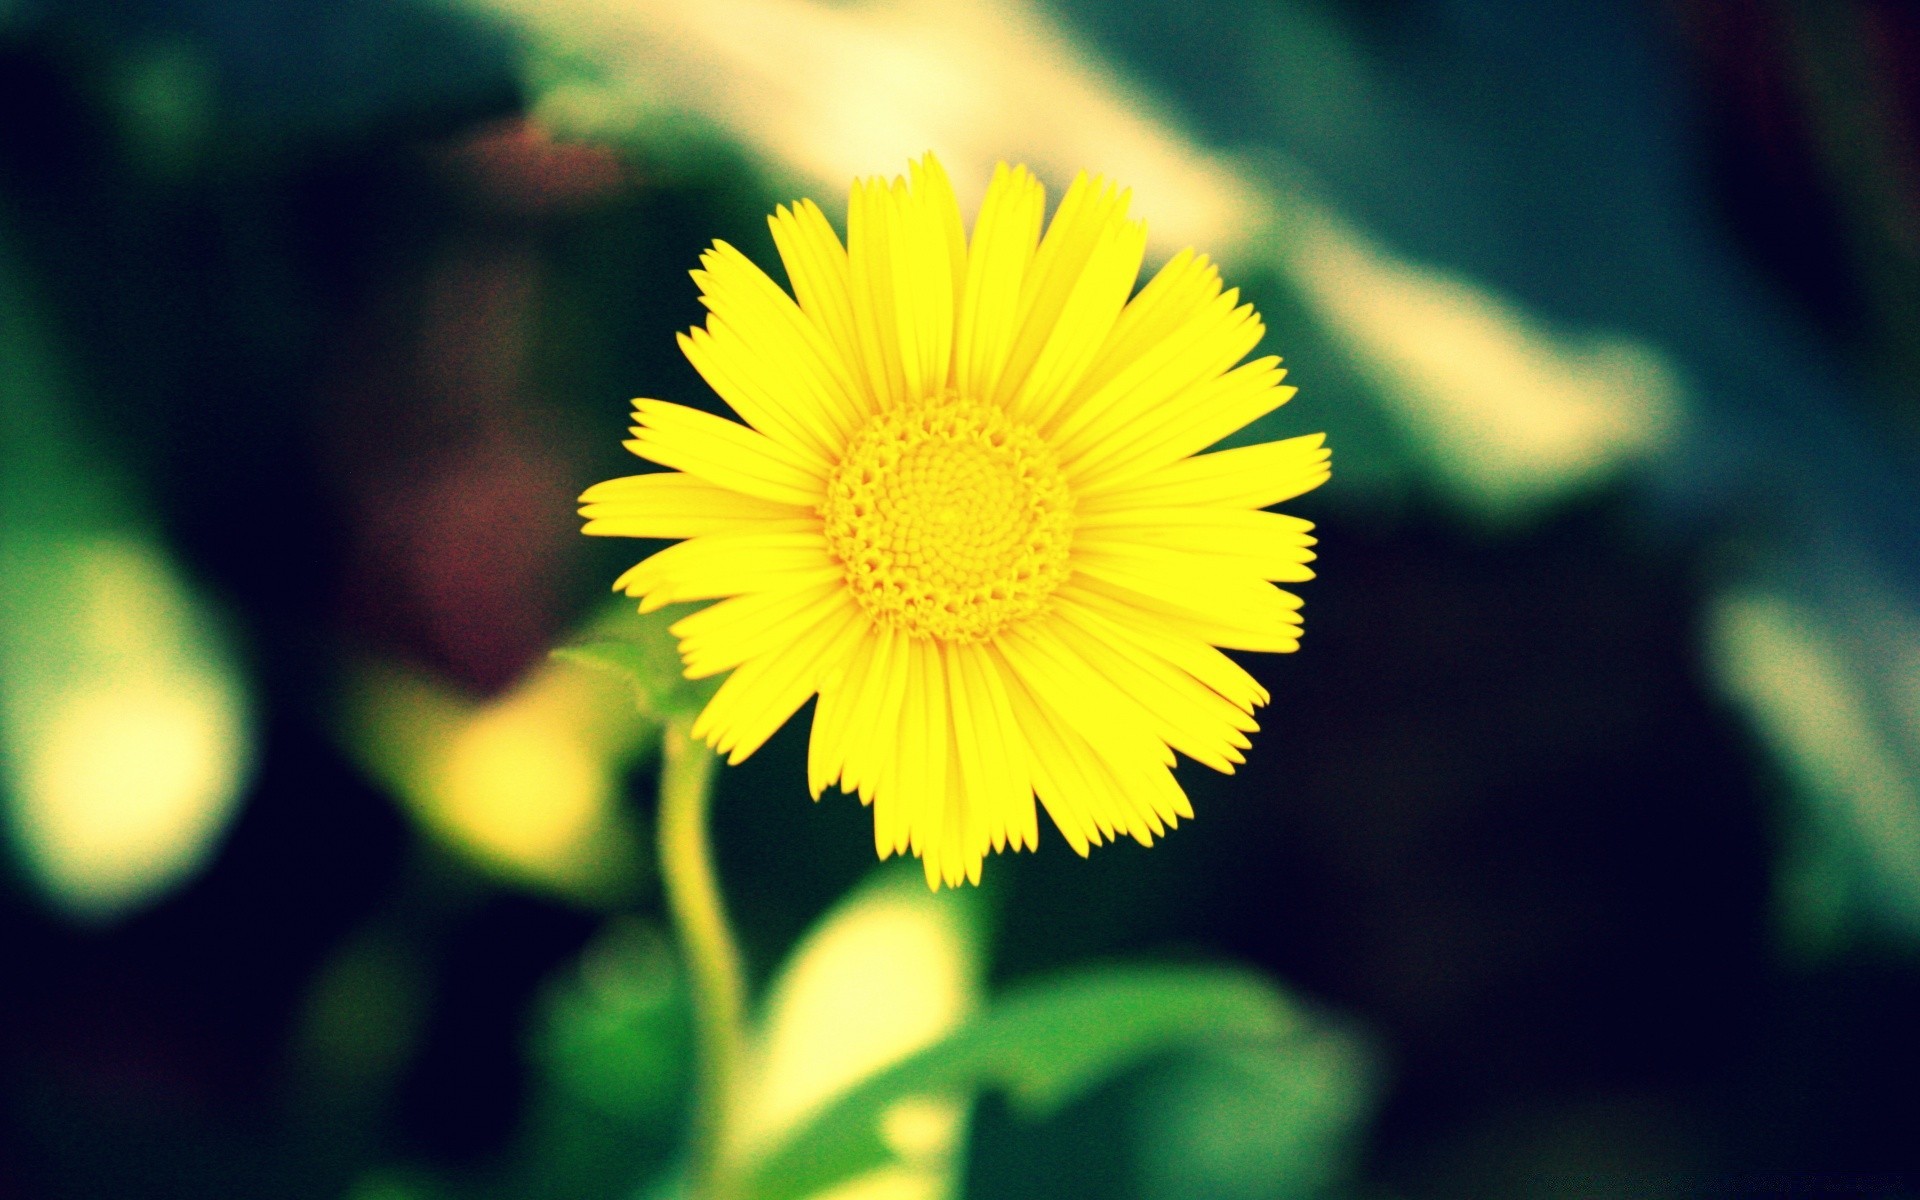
(706, 942)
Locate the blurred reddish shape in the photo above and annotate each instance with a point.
(459, 496)
(516, 165)
(455, 470)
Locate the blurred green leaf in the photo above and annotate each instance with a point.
(1257, 1122)
(640, 650)
(1834, 691)
(125, 731)
(164, 101)
(389, 1184)
(525, 785)
(362, 1020)
(614, 1035)
(611, 1055)
(1042, 1044)
(890, 970)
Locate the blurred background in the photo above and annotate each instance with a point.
(1585, 824)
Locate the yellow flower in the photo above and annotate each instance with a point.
(969, 510)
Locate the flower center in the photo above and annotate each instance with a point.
(951, 520)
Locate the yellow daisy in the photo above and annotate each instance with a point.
(969, 510)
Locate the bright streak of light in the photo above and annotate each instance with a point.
(1511, 415)
(830, 91)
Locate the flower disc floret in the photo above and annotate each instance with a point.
(951, 520)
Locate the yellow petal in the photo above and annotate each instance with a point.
(877, 688)
(870, 286)
(1246, 477)
(725, 453)
(1145, 633)
(722, 636)
(1227, 610)
(942, 214)
(669, 504)
(776, 367)
(993, 756)
(1189, 420)
(832, 716)
(1099, 788)
(816, 265)
(728, 564)
(1055, 754)
(1182, 712)
(1184, 287)
(901, 272)
(1005, 236)
(1072, 295)
(923, 753)
(1164, 383)
(1268, 545)
(763, 692)
(1112, 723)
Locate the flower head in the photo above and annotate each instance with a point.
(970, 510)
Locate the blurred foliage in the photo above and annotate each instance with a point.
(615, 1038)
(642, 652)
(124, 723)
(1495, 411)
(1047, 1043)
(869, 1050)
(299, 322)
(1852, 859)
(612, 1055)
(526, 784)
(1511, 418)
(890, 971)
(1258, 1120)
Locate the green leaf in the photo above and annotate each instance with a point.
(890, 970)
(126, 725)
(612, 1058)
(614, 1034)
(640, 650)
(525, 784)
(1277, 1121)
(1043, 1044)
(1822, 684)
